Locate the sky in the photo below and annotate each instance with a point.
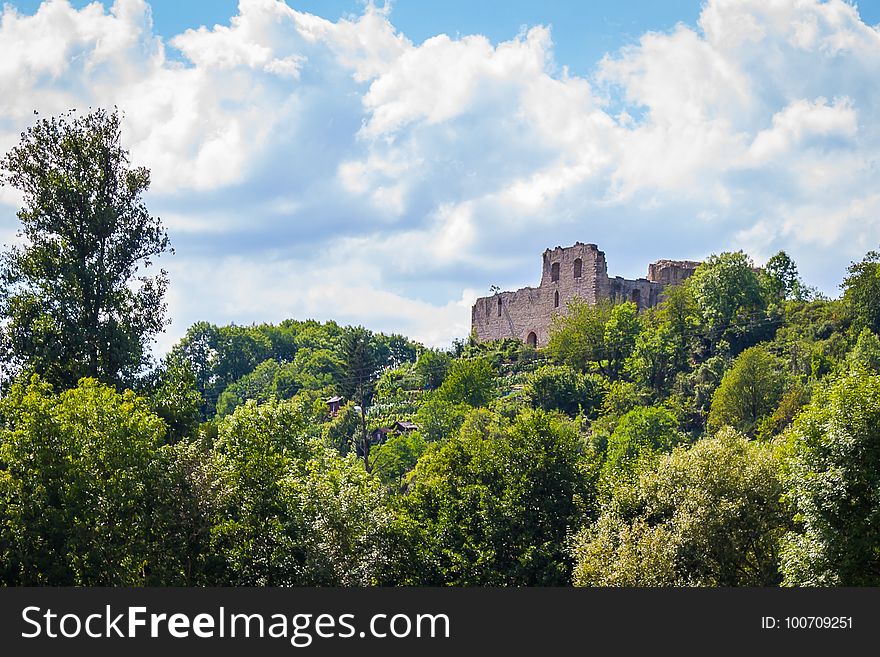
(385, 164)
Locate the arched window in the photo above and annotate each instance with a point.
(556, 299)
(532, 339)
(499, 306)
(554, 272)
(578, 268)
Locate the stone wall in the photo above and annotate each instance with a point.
(578, 271)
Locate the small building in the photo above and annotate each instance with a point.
(379, 435)
(404, 426)
(333, 405)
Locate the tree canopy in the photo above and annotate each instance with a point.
(74, 294)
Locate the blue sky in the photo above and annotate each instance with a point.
(386, 165)
(582, 31)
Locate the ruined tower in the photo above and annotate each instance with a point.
(577, 271)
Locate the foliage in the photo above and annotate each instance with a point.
(594, 337)
(470, 381)
(709, 515)
(175, 398)
(432, 366)
(749, 391)
(643, 430)
(74, 295)
(865, 354)
(832, 482)
(397, 456)
(342, 432)
(469, 495)
(74, 498)
(439, 419)
(293, 513)
(861, 291)
(780, 279)
(560, 388)
(726, 287)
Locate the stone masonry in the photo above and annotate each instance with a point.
(577, 271)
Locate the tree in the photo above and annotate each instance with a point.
(620, 335)
(749, 391)
(470, 381)
(861, 291)
(397, 456)
(577, 337)
(176, 399)
(559, 387)
(832, 478)
(360, 366)
(74, 491)
(866, 353)
(257, 385)
(493, 505)
(709, 515)
(293, 513)
(432, 365)
(781, 280)
(72, 295)
(644, 429)
(601, 335)
(727, 292)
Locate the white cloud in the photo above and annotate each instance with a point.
(297, 159)
(801, 120)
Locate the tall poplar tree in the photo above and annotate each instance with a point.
(74, 298)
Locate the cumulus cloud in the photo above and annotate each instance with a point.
(336, 169)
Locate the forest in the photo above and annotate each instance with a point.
(728, 437)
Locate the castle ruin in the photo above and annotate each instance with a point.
(577, 271)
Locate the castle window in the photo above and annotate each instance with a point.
(499, 306)
(556, 299)
(578, 268)
(636, 297)
(532, 339)
(554, 272)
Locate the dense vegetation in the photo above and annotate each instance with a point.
(730, 436)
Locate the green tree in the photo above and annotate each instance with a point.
(360, 368)
(433, 365)
(709, 515)
(439, 419)
(620, 334)
(749, 391)
(643, 430)
(780, 279)
(397, 456)
(257, 385)
(74, 295)
(728, 293)
(470, 381)
(861, 291)
(293, 513)
(577, 337)
(866, 353)
(184, 487)
(493, 505)
(832, 480)
(176, 399)
(600, 336)
(561, 388)
(74, 494)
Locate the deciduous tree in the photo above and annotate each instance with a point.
(75, 296)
